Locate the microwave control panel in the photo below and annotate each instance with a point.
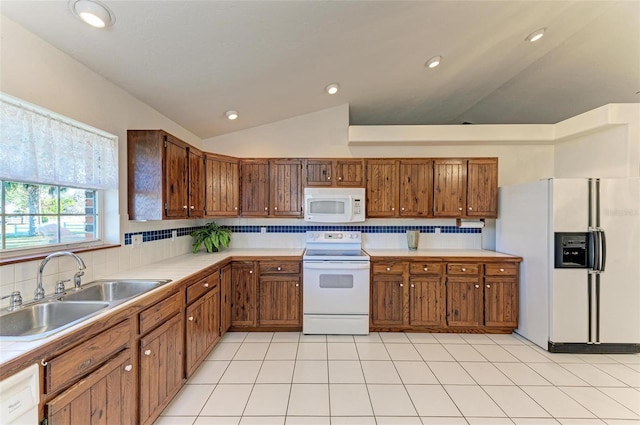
(357, 206)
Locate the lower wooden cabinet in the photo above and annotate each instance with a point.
(243, 294)
(280, 301)
(426, 301)
(387, 300)
(464, 302)
(161, 374)
(106, 396)
(225, 299)
(202, 325)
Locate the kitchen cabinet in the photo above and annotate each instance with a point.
(243, 294)
(202, 324)
(165, 177)
(416, 188)
(225, 299)
(465, 187)
(254, 188)
(464, 295)
(106, 396)
(222, 186)
(382, 187)
(280, 294)
(285, 188)
(501, 295)
(407, 295)
(334, 172)
(160, 356)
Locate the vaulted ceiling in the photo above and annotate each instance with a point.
(270, 60)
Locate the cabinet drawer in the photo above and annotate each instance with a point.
(279, 267)
(77, 362)
(198, 289)
(501, 269)
(387, 268)
(463, 268)
(425, 268)
(159, 313)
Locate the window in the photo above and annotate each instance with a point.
(35, 215)
(54, 174)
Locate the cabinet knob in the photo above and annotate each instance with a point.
(464, 270)
(191, 318)
(279, 268)
(128, 368)
(460, 209)
(340, 178)
(488, 286)
(275, 208)
(328, 177)
(250, 271)
(425, 268)
(265, 208)
(477, 286)
(413, 286)
(388, 269)
(147, 352)
(235, 208)
(206, 285)
(297, 284)
(393, 209)
(501, 270)
(470, 209)
(401, 284)
(192, 207)
(402, 209)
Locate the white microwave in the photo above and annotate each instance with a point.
(334, 205)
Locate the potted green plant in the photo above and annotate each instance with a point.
(212, 236)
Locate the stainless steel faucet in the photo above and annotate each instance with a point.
(76, 277)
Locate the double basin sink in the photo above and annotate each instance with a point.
(47, 317)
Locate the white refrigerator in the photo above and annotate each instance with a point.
(580, 275)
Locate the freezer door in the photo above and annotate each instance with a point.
(620, 281)
(569, 306)
(570, 212)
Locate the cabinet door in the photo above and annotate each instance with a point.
(426, 301)
(318, 172)
(482, 188)
(382, 188)
(175, 178)
(280, 298)
(222, 187)
(254, 188)
(243, 295)
(387, 300)
(196, 183)
(202, 328)
(348, 172)
(500, 302)
(106, 396)
(464, 301)
(449, 187)
(225, 299)
(161, 362)
(286, 188)
(416, 188)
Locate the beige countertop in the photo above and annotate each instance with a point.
(439, 253)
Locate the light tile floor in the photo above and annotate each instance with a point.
(286, 378)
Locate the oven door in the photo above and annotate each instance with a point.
(335, 287)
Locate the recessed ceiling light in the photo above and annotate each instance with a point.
(232, 115)
(536, 35)
(92, 12)
(332, 88)
(433, 62)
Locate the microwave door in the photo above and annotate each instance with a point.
(348, 209)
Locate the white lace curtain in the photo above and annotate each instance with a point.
(40, 146)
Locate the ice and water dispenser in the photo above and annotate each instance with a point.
(572, 250)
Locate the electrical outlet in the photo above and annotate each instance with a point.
(136, 240)
(174, 235)
(263, 230)
(437, 229)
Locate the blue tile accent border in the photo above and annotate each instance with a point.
(155, 235)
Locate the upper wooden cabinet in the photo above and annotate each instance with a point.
(271, 188)
(465, 187)
(382, 188)
(222, 186)
(416, 188)
(334, 172)
(165, 177)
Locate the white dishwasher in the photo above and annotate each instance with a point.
(19, 397)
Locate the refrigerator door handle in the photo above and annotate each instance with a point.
(592, 252)
(603, 247)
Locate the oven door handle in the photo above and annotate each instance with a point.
(335, 265)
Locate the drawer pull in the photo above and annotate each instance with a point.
(44, 363)
(488, 286)
(147, 352)
(477, 286)
(501, 270)
(464, 270)
(206, 285)
(191, 318)
(388, 269)
(128, 368)
(279, 268)
(425, 268)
